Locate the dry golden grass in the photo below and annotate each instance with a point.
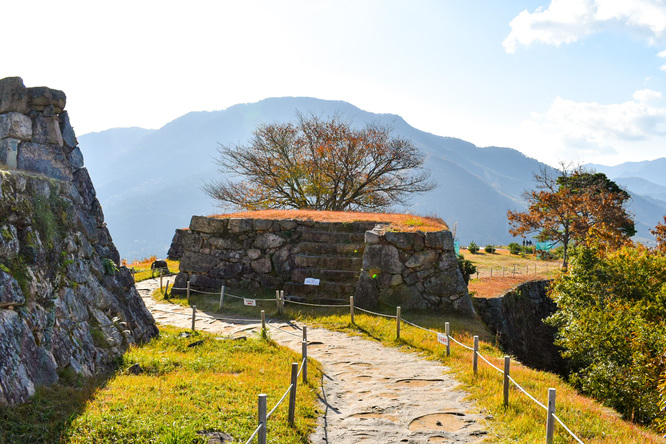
(398, 221)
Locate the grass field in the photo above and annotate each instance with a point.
(190, 384)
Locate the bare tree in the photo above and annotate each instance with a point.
(322, 165)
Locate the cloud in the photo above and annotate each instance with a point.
(597, 128)
(567, 21)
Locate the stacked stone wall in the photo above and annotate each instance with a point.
(414, 270)
(66, 308)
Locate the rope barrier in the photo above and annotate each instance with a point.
(461, 344)
(314, 305)
(567, 429)
(527, 394)
(418, 326)
(283, 331)
(490, 364)
(373, 313)
(301, 368)
(280, 401)
(255, 433)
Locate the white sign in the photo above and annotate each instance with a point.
(250, 302)
(311, 281)
(442, 338)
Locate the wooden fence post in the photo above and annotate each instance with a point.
(305, 333)
(491, 271)
(475, 359)
(507, 370)
(502, 271)
(263, 322)
(477, 274)
(550, 422)
(397, 323)
(448, 339)
(351, 308)
(221, 297)
(161, 288)
(304, 352)
(194, 317)
(281, 301)
(188, 291)
(261, 436)
(166, 290)
(514, 268)
(292, 394)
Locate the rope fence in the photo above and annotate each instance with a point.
(443, 337)
(515, 270)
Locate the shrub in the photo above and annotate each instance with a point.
(467, 268)
(473, 248)
(489, 248)
(515, 248)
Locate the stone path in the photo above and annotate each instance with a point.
(370, 393)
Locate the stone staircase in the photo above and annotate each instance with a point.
(332, 253)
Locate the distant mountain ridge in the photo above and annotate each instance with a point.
(149, 181)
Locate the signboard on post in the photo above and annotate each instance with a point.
(311, 281)
(442, 339)
(250, 302)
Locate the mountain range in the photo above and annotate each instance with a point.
(150, 181)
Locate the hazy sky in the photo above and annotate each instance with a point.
(580, 80)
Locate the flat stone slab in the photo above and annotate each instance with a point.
(369, 393)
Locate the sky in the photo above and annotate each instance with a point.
(559, 80)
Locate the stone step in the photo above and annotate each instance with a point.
(343, 227)
(316, 248)
(344, 276)
(329, 291)
(349, 263)
(333, 237)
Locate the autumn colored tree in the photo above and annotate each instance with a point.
(575, 206)
(322, 165)
(660, 233)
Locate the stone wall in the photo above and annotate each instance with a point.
(417, 270)
(65, 307)
(517, 320)
(412, 270)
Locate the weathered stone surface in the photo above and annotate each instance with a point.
(208, 224)
(226, 270)
(45, 159)
(68, 136)
(447, 241)
(9, 152)
(402, 240)
(288, 224)
(13, 96)
(372, 237)
(41, 97)
(10, 291)
(9, 242)
(240, 225)
(425, 258)
(382, 257)
(68, 298)
(46, 130)
(367, 293)
(224, 243)
(262, 224)
(16, 126)
(262, 265)
(434, 239)
(75, 159)
(198, 262)
(253, 254)
(268, 240)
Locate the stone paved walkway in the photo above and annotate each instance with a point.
(370, 393)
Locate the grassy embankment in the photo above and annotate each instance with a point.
(183, 389)
(141, 268)
(523, 421)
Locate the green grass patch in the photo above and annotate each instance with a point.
(181, 391)
(523, 421)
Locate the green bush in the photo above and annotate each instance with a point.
(611, 323)
(473, 248)
(515, 248)
(467, 268)
(489, 248)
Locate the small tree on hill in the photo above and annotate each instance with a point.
(576, 206)
(660, 233)
(321, 165)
